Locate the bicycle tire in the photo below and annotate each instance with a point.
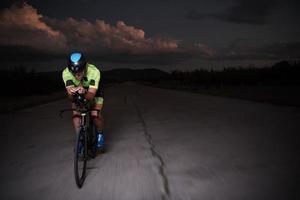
(80, 158)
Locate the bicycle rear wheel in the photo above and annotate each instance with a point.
(80, 158)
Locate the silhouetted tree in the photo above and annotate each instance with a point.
(281, 73)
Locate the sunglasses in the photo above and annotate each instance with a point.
(78, 73)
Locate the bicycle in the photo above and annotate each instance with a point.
(86, 138)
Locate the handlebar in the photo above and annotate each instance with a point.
(80, 100)
(81, 103)
(79, 110)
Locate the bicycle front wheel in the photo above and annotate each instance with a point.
(80, 158)
(92, 140)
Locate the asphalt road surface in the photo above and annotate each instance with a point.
(162, 144)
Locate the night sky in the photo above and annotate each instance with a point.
(166, 34)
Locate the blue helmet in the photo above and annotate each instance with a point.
(76, 62)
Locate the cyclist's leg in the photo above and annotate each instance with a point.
(99, 123)
(96, 115)
(76, 119)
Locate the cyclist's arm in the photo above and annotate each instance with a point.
(69, 84)
(94, 84)
(90, 94)
(71, 90)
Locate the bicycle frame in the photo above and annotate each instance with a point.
(86, 130)
(83, 124)
(83, 115)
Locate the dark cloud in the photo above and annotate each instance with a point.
(250, 12)
(241, 49)
(243, 12)
(195, 15)
(147, 59)
(289, 51)
(245, 49)
(20, 53)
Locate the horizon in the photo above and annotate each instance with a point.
(268, 65)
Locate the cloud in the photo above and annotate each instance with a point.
(101, 36)
(23, 26)
(204, 50)
(243, 12)
(27, 35)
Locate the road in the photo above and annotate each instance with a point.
(162, 144)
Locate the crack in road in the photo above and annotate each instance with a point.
(161, 168)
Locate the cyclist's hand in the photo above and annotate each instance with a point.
(73, 90)
(81, 90)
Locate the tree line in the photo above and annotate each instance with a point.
(19, 81)
(281, 73)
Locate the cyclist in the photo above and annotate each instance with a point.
(83, 78)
